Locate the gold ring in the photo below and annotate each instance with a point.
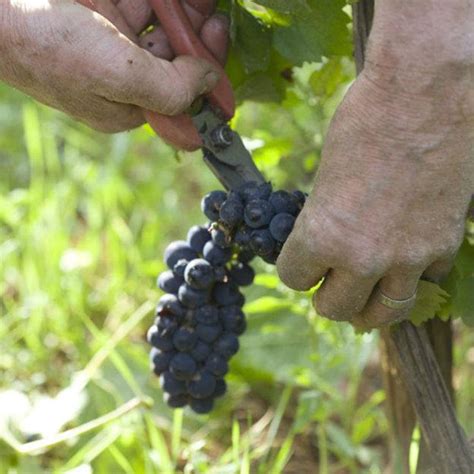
(396, 304)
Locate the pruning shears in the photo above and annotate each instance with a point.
(223, 148)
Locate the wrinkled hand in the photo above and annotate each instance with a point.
(92, 65)
(390, 198)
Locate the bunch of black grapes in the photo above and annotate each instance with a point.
(200, 318)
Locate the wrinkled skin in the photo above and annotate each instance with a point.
(394, 185)
(94, 65)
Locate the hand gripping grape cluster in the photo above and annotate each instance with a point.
(199, 319)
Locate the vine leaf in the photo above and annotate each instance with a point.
(428, 302)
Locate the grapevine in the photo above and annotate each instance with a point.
(199, 319)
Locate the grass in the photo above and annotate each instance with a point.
(84, 219)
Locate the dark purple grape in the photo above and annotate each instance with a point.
(262, 242)
(217, 365)
(192, 297)
(258, 213)
(208, 314)
(284, 202)
(198, 236)
(183, 366)
(271, 258)
(160, 360)
(211, 204)
(180, 267)
(233, 319)
(166, 325)
(300, 197)
(281, 226)
(202, 386)
(202, 406)
(208, 332)
(199, 274)
(177, 251)
(242, 236)
(232, 211)
(155, 339)
(169, 305)
(226, 294)
(221, 388)
(177, 401)
(251, 190)
(242, 274)
(220, 273)
(201, 351)
(227, 345)
(184, 339)
(246, 255)
(221, 238)
(216, 255)
(169, 282)
(170, 384)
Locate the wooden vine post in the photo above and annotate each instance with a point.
(448, 448)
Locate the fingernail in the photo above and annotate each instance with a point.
(211, 79)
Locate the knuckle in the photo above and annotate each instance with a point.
(329, 309)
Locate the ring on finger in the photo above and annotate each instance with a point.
(393, 303)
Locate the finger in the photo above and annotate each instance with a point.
(343, 295)
(398, 287)
(157, 44)
(300, 264)
(108, 10)
(138, 78)
(439, 270)
(215, 35)
(137, 13)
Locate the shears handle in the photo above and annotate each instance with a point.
(180, 130)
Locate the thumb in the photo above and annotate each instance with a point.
(166, 87)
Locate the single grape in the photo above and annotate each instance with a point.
(262, 242)
(170, 384)
(199, 274)
(169, 282)
(283, 201)
(227, 345)
(281, 226)
(169, 305)
(155, 339)
(246, 255)
(221, 238)
(180, 267)
(166, 325)
(208, 332)
(176, 401)
(185, 339)
(208, 314)
(271, 258)
(192, 297)
(203, 386)
(178, 250)
(221, 388)
(198, 236)
(202, 406)
(201, 351)
(251, 190)
(242, 236)
(217, 365)
(226, 294)
(211, 204)
(258, 213)
(183, 366)
(232, 211)
(242, 274)
(160, 360)
(216, 255)
(220, 273)
(233, 319)
(300, 197)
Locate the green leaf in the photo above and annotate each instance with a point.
(322, 31)
(463, 302)
(285, 6)
(252, 40)
(428, 302)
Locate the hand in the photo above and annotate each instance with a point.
(91, 66)
(390, 198)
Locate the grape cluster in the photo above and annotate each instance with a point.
(200, 318)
